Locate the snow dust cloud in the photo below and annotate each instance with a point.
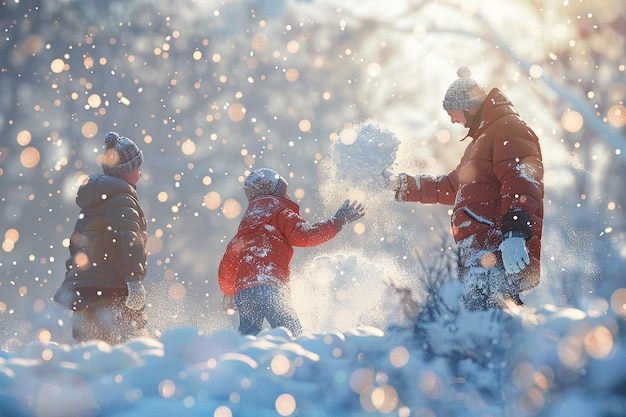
(355, 281)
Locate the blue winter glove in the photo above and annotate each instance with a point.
(514, 254)
(348, 213)
(136, 298)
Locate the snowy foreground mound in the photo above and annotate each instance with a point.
(548, 363)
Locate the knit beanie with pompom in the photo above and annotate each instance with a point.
(121, 155)
(464, 93)
(264, 181)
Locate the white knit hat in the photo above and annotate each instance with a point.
(264, 181)
(464, 93)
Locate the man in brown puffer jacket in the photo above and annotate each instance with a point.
(496, 192)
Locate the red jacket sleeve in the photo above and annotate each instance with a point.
(428, 189)
(301, 233)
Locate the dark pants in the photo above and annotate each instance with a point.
(108, 320)
(266, 302)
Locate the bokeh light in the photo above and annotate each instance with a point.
(399, 356)
(616, 115)
(231, 209)
(572, 121)
(570, 351)
(44, 335)
(304, 125)
(374, 69)
(223, 411)
(176, 291)
(57, 66)
(348, 136)
(281, 365)
(599, 342)
(236, 112)
(361, 379)
(94, 101)
(359, 228)
(30, 157)
(285, 404)
(618, 301)
(431, 384)
(89, 129)
(24, 137)
(167, 388)
(188, 147)
(212, 200)
(292, 75)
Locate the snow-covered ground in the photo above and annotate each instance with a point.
(552, 362)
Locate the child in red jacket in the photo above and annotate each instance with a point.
(255, 267)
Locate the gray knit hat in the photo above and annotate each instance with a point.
(121, 155)
(264, 181)
(464, 93)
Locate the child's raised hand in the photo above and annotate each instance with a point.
(349, 212)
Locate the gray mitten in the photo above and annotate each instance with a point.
(348, 213)
(136, 299)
